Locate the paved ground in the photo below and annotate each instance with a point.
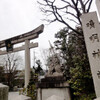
(13, 96)
(16, 96)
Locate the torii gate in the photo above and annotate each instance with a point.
(26, 37)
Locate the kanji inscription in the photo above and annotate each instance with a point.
(96, 53)
(98, 74)
(91, 24)
(94, 37)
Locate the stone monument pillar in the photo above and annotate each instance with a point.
(91, 28)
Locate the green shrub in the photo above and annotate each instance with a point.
(32, 91)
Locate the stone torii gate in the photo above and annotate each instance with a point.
(26, 37)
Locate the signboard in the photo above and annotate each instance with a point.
(91, 29)
(9, 46)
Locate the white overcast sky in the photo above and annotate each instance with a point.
(21, 16)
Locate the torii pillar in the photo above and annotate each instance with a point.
(27, 62)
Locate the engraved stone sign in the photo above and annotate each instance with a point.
(91, 30)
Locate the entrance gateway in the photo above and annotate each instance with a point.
(26, 37)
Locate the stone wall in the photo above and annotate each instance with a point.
(4, 92)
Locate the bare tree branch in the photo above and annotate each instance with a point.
(10, 63)
(89, 5)
(73, 21)
(71, 14)
(82, 6)
(62, 21)
(66, 1)
(87, 2)
(72, 8)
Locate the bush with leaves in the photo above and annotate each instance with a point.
(81, 80)
(31, 88)
(31, 91)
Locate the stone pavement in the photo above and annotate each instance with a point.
(16, 96)
(13, 96)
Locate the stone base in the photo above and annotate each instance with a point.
(4, 92)
(54, 97)
(22, 97)
(52, 82)
(53, 86)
